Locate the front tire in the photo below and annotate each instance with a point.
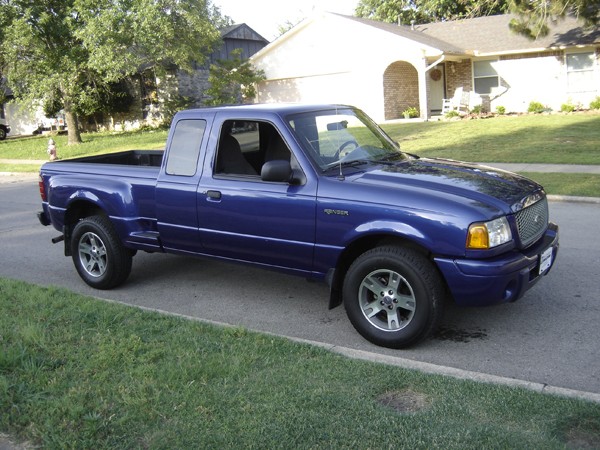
(98, 255)
(393, 296)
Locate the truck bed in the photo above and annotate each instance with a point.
(149, 158)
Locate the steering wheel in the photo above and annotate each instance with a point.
(346, 144)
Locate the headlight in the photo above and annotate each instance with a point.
(486, 235)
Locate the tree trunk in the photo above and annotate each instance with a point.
(74, 135)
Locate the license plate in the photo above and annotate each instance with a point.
(545, 260)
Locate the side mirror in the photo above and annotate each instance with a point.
(277, 170)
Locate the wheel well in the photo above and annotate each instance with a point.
(357, 248)
(77, 211)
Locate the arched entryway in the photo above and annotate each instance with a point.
(400, 89)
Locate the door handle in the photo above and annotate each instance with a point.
(214, 195)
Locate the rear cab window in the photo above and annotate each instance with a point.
(185, 147)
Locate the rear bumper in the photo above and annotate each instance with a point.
(501, 279)
(43, 218)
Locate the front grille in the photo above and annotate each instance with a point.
(532, 222)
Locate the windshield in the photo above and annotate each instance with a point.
(343, 136)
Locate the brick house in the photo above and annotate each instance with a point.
(385, 68)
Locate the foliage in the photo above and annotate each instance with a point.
(77, 372)
(477, 109)
(77, 48)
(595, 104)
(536, 107)
(232, 81)
(451, 114)
(172, 105)
(411, 112)
(407, 11)
(500, 110)
(534, 16)
(567, 107)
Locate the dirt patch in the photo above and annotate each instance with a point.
(404, 402)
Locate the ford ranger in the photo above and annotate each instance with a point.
(317, 191)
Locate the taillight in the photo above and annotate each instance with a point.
(42, 189)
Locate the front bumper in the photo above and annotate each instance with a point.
(502, 279)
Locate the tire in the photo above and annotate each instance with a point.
(2, 133)
(99, 257)
(393, 296)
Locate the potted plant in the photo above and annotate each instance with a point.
(410, 112)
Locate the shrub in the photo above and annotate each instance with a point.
(411, 112)
(477, 109)
(501, 110)
(451, 114)
(536, 107)
(595, 104)
(567, 107)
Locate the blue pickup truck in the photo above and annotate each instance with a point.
(317, 191)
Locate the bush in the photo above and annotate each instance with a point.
(477, 109)
(451, 114)
(411, 112)
(595, 104)
(501, 110)
(567, 107)
(536, 107)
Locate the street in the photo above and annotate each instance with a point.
(550, 336)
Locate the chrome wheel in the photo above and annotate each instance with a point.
(92, 254)
(387, 300)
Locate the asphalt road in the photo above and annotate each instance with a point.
(551, 336)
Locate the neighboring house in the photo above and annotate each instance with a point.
(234, 37)
(149, 91)
(385, 68)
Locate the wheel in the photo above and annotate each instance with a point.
(2, 133)
(99, 257)
(393, 296)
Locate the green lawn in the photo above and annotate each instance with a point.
(77, 372)
(552, 139)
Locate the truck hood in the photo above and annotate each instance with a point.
(481, 183)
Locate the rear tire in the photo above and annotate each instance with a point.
(98, 255)
(393, 296)
(2, 133)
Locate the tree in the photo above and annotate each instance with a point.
(232, 80)
(534, 15)
(406, 12)
(74, 49)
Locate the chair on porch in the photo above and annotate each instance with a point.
(459, 102)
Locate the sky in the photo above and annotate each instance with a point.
(266, 16)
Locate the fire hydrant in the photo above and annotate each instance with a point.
(52, 149)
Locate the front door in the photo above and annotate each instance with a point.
(436, 89)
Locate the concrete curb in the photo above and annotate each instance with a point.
(409, 364)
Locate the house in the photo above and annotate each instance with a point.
(151, 94)
(385, 68)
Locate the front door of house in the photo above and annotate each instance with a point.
(436, 86)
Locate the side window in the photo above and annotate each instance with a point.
(580, 72)
(244, 146)
(185, 147)
(485, 76)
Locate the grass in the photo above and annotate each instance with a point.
(34, 148)
(571, 184)
(77, 372)
(551, 139)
